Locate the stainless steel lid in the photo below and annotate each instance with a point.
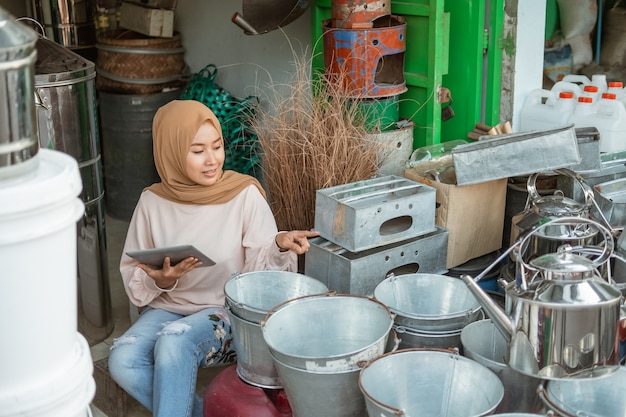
(558, 205)
(16, 39)
(564, 261)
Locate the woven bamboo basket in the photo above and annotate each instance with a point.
(129, 62)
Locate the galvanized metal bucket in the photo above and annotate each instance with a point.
(428, 302)
(251, 295)
(430, 339)
(416, 382)
(518, 415)
(319, 393)
(587, 397)
(254, 362)
(483, 343)
(328, 333)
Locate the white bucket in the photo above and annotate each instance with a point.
(68, 393)
(38, 215)
(544, 110)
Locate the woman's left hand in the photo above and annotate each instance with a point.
(295, 240)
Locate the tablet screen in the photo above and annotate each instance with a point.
(155, 257)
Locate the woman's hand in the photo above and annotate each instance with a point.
(167, 277)
(295, 240)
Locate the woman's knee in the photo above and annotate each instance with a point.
(125, 356)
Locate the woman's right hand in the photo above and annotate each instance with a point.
(166, 277)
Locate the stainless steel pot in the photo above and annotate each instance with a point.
(565, 321)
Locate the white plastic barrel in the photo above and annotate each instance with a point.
(544, 110)
(46, 365)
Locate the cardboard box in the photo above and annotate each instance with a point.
(472, 214)
(147, 21)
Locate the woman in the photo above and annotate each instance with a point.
(183, 325)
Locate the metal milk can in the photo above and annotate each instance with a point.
(561, 318)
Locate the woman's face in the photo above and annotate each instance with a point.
(205, 158)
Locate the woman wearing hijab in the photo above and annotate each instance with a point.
(183, 325)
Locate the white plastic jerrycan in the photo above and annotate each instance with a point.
(608, 116)
(544, 110)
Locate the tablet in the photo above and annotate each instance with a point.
(155, 257)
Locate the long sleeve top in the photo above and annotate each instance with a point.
(238, 235)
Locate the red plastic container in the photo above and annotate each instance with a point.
(228, 395)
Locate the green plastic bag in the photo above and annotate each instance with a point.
(233, 113)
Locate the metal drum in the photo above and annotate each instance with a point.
(126, 121)
(18, 127)
(67, 122)
(70, 23)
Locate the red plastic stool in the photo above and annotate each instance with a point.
(228, 395)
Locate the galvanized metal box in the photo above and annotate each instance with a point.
(359, 273)
(510, 155)
(375, 212)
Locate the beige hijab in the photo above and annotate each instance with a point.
(174, 127)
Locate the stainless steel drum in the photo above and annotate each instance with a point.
(18, 127)
(70, 23)
(67, 120)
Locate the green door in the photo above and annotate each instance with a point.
(447, 46)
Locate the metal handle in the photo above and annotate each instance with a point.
(541, 392)
(607, 249)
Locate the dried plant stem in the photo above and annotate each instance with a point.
(310, 141)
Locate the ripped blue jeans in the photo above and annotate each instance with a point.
(157, 359)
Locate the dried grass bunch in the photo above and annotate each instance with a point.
(312, 135)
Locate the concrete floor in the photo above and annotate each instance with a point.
(116, 234)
